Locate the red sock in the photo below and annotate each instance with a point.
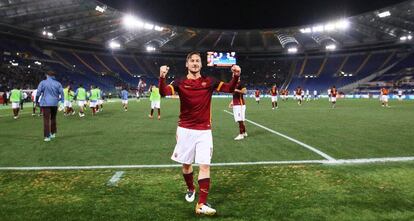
(204, 185)
(241, 127)
(189, 181)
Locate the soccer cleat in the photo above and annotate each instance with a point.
(15, 117)
(204, 209)
(33, 114)
(190, 196)
(52, 136)
(239, 137)
(47, 139)
(150, 116)
(245, 134)
(159, 117)
(73, 113)
(273, 108)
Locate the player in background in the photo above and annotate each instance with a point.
(194, 137)
(155, 99)
(273, 94)
(257, 96)
(384, 97)
(93, 99)
(16, 96)
(80, 96)
(33, 96)
(400, 95)
(307, 95)
(333, 95)
(124, 98)
(99, 103)
(68, 98)
(329, 94)
(315, 94)
(239, 109)
(298, 95)
(141, 88)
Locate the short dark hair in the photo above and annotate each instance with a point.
(51, 73)
(191, 54)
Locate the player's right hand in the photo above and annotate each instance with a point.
(164, 71)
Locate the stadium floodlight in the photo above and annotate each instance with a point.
(403, 38)
(305, 30)
(37, 63)
(100, 9)
(292, 50)
(149, 26)
(150, 48)
(384, 14)
(330, 47)
(342, 24)
(132, 22)
(158, 28)
(329, 27)
(318, 28)
(114, 45)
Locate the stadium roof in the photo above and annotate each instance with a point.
(94, 22)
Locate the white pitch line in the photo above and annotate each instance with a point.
(324, 155)
(115, 178)
(327, 162)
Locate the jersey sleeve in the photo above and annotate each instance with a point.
(226, 87)
(167, 89)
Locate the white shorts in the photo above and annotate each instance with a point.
(333, 99)
(81, 103)
(100, 102)
(193, 145)
(257, 98)
(15, 105)
(298, 97)
(92, 103)
(239, 112)
(384, 98)
(274, 98)
(155, 104)
(124, 101)
(67, 104)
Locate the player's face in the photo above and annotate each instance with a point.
(194, 64)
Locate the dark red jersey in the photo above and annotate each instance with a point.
(257, 93)
(237, 96)
(333, 92)
(195, 99)
(273, 91)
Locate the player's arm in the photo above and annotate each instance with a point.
(162, 85)
(40, 90)
(242, 91)
(231, 104)
(61, 94)
(229, 87)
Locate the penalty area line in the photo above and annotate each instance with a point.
(293, 162)
(313, 149)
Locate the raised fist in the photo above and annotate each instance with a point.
(236, 70)
(164, 71)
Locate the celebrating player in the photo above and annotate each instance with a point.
(273, 94)
(384, 97)
(257, 95)
(298, 93)
(194, 137)
(239, 109)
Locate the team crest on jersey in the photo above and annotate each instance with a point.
(203, 83)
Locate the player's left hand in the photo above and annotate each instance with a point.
(236, 70)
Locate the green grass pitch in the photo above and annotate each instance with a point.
(355, 129)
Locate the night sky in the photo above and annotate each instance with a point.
(253, 14)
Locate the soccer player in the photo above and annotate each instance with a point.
(298, 93)
(239, 109)
(315, 94)
(52, 92)
(333, 95)
(384, 97)
(93, 99)
(307, 95)
(273, 94)
(33, 96)
(99, 105)
(329, 95)
(141, 88)
(155, 99)
(68, 96)
(400, 94)
(194, 137)
(81, 98)
(124, 97)
(16, 96)
(257, 95)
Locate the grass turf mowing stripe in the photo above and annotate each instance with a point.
(115, 178)
(328, 162)
(324, 155)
